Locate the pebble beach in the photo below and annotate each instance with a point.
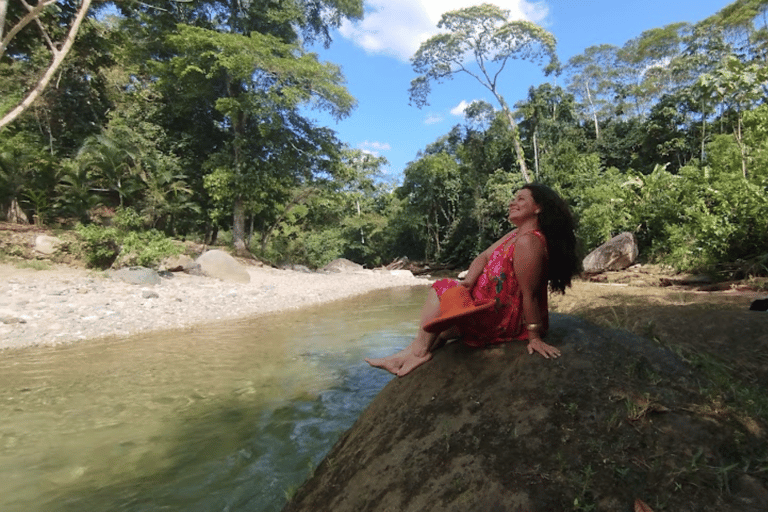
(67, 304)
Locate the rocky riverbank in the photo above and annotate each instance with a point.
(65, 304)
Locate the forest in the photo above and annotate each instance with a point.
(189, 120)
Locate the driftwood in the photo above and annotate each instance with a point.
(417, 268)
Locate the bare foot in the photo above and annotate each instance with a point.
(392, 363)
(413, 362)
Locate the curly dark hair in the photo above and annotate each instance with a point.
(559, 228)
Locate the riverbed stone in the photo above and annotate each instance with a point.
(47, 245)
(178, 263)
(343, 265)
(219, 264)
(136, 275)
(12, 320)
(149, 294)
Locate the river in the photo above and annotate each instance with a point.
(229, 416)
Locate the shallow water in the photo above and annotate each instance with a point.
(231, 416)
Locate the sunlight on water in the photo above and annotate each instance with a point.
(224, 417)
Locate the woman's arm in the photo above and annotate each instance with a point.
(529, 261)
(478, 264)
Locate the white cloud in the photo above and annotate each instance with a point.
(433, 119)
(374, 148)
(459, 109)
(378, 146)
(398, 27)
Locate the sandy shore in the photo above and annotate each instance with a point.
(65, 304)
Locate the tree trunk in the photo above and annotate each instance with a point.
(15, 214)
(737, 133)
(362, 233)
(535, 155)
(238, 228)
(594, 113)
(518, 149)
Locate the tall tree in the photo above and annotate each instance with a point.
(740, 86)
(592, 79)
(546, 114)
(480, 41)
(240, 72)
(645, 64)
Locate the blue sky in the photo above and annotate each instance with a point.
(374, 56)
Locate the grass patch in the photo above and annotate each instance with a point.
(33, 264)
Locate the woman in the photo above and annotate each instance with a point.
(513, 273)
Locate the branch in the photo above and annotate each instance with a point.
(58, 58)
(3, 10)
(45, 36)
(33, 13)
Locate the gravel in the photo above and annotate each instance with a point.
(66, 304)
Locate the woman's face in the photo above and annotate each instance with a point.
(523, 208)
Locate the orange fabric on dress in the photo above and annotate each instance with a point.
(497, 282)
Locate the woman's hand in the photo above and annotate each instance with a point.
(542, 348)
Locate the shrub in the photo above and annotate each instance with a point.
(102, 246)
(99, 246)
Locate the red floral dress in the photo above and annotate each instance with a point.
(498, 283)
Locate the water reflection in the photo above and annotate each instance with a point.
(225, 417)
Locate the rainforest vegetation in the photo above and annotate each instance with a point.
(191, 120)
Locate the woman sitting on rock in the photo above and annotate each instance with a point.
(504, 294)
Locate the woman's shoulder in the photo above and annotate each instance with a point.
(533, 240)
(534, 234)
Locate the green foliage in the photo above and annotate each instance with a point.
(99, 246)
(315, 249)
(102, 246)
(147, 248)
(127, 219)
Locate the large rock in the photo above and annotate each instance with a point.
(615, 419)
(136, 275)
(617, 253)
(47, 245)
(179, 263)
(219, 264)
(343, 265)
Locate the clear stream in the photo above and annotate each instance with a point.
(227, 417)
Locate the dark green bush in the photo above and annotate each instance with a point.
(101, 246)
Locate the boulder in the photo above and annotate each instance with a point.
(136, 275)
(616, 418)
(617, 253)
(343, 265)
(180, 263)
(296, 268)
(219, 264)
(47, 245)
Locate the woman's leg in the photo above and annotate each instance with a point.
(419, 351)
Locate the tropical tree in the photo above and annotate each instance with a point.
(480, 41)
(547, 114)
(241, 73)
(740, 86)
(645, 67)
(432, 188)
(592, 79)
